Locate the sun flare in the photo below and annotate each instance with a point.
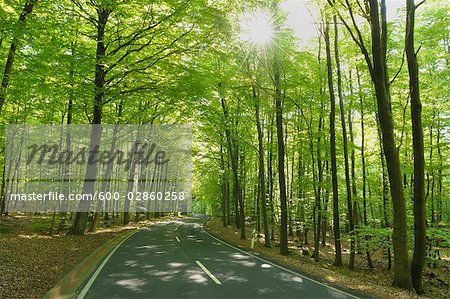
(256, 27)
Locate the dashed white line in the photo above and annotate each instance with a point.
(209, 273)
(278, 266)
(178, 239)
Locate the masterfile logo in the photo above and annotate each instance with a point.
(145, 168)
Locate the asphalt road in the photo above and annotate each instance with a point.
(178, 259)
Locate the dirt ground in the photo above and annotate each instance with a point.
(32, 261)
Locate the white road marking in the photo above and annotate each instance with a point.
(209, 273)
(279, 267)
(178, 239)
(94, 276)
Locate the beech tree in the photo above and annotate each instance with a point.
(18, 32)
(418, 259)
(271, 153)
(376, 62)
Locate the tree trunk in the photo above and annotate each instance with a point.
(81, 218)
(325, 207)
(351, 264)
(262, 178)
(130, 186)
(235, 168)
(291, 196)
(2, 192)
(257, 190)
(319, 185)
(363, 164)
(418, 259)
(108, 172)
(430, 174)
(270, 179)
(227, 190)
(301, 171)
(439, 216)
(356, 208)
(402, 269)
(71, 97)
(384, 190)
(223, 185)
(27, 9)
(281, 174)
(336, 228)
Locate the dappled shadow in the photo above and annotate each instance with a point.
(161, 262)
(145, 266)
(132, 284)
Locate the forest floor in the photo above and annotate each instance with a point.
(32, 261)
(376, 282)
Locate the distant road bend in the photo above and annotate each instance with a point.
(178, 259)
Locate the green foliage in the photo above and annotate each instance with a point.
(175, 61)
(439, 236)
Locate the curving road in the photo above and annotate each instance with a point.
(178, 259)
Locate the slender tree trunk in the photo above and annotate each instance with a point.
(291, 194)
(418, 259)
(257, 190)
(227, 192)
(344, 135)
(2, 192)
(316, 217)
(356, 208)
(262, 178)
(300, 185)
(336, 228)
(385, 190)
(224, 187)
(237, 194)
(281, 173)
(71, 97)
(430, 174)
(27, 9)
(439, 216)
(319, 185)
(325, 207)
(151, 188)
(433, 206)
(363, 162)
(243, 183)
(323, 210)
(270, 180)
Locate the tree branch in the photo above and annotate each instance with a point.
(87, 17)
(358, 40)
(419, 4)
(399, 70)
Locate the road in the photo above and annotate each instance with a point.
(178, 259)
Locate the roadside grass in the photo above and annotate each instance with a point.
(362, 281)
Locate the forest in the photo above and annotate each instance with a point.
(320, 128)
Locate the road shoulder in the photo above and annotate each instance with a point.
(79, 276)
